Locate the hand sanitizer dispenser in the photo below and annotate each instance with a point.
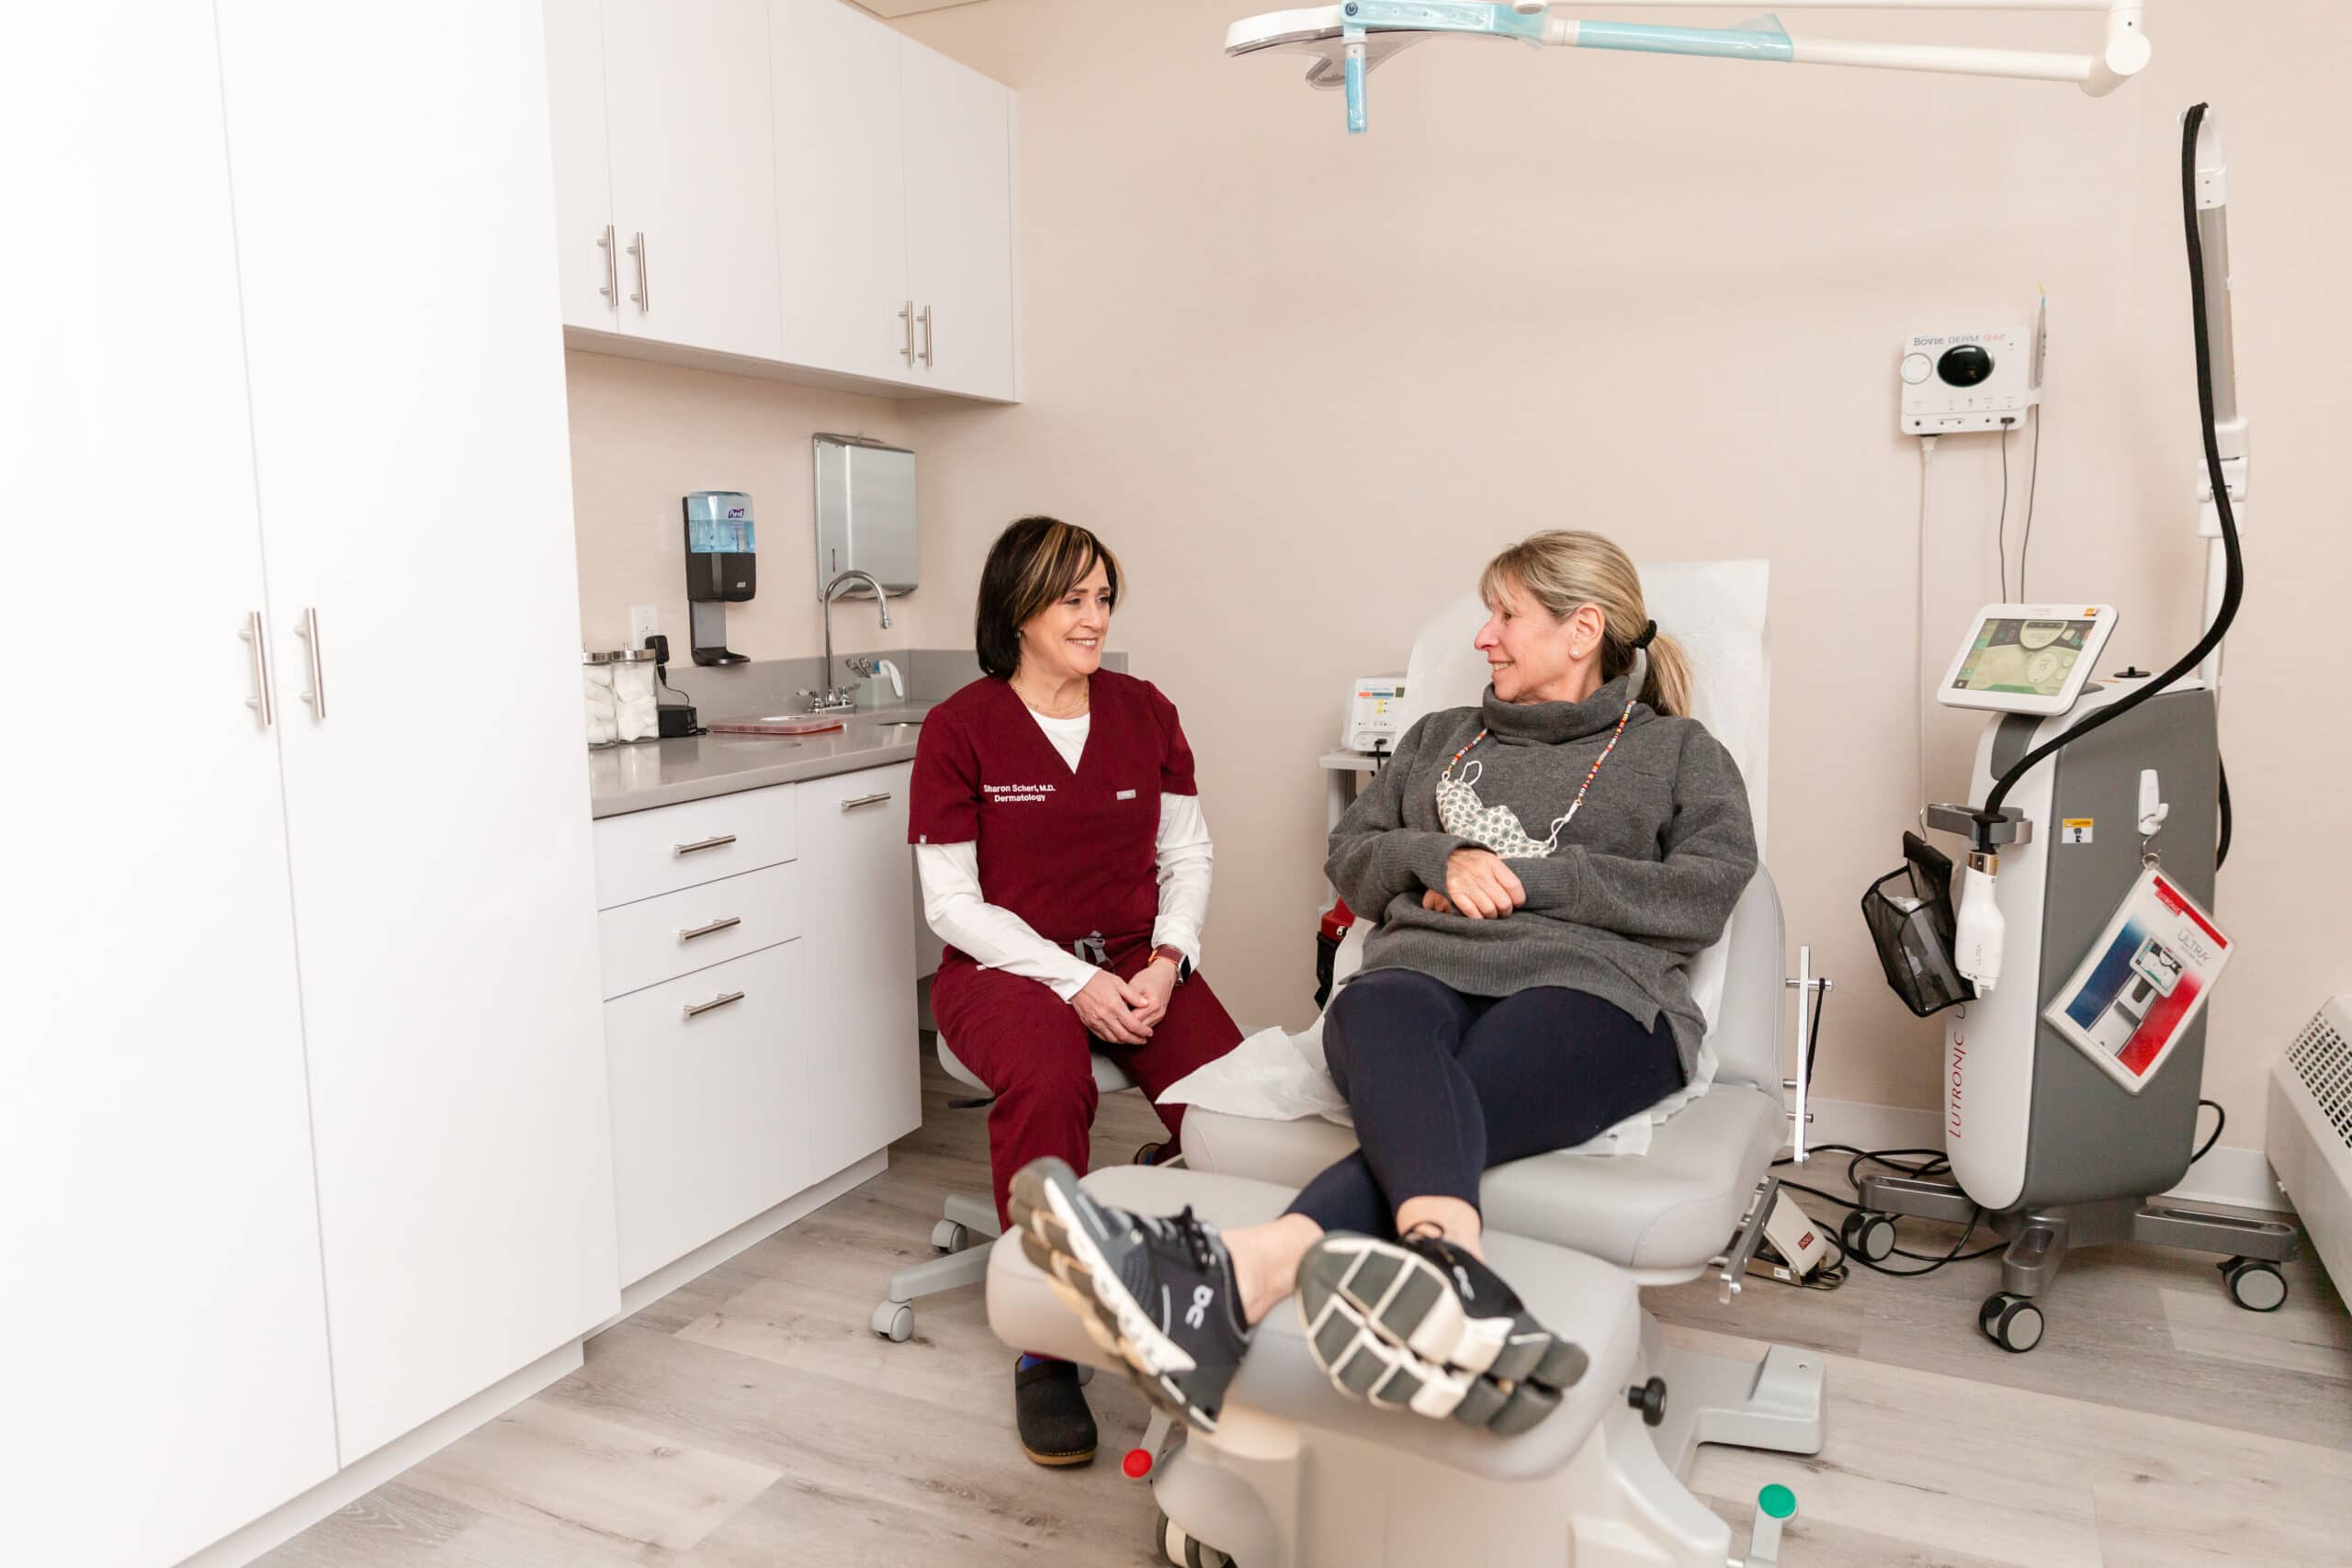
(721, 554)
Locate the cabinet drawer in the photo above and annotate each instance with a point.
(710, 1107)
(672, 847)
(672, 934)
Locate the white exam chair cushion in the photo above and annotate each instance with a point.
(1578, 1297)
(1669, 1209)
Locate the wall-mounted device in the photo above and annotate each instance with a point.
(865, 514)
(720, 552)
(1957, 382)
(1374, 705)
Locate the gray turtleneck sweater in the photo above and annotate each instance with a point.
(1644, 879)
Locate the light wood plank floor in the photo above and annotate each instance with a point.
(752, 1420)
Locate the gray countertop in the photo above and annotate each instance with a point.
(662, 772)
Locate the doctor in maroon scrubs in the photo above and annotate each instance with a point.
(1064, 862)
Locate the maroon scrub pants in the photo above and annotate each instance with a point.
(1029, 1046)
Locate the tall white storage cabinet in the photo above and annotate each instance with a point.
(303, 1131)
(167, 1377)
(396, 236)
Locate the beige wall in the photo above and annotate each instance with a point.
(1308, 383)
(643, 435)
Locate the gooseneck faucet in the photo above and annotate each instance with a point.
(833, 698)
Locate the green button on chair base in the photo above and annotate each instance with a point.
(1777, 1501)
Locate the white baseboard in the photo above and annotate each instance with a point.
(711, 1254)
(344, 1488)
(2228, 1174)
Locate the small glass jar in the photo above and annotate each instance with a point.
(619, 690)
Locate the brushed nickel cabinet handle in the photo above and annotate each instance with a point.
(698, 1009)
(720, 924)
(701, 844)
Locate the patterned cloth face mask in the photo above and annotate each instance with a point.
(1461, 814)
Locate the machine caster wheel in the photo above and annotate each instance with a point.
(2254, 1284)
(949, 1236)
(1186, 1552)
(895, 1321)
(1868, 1237)
(2011, 1322)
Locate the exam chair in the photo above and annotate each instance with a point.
(1299, 1474)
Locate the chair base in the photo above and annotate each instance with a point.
(1270, 1493)
(971, 1224)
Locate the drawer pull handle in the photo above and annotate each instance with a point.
(866, 800)
(720, 924)
(701, 844)
(698, 1008)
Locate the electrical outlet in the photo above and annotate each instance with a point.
(644, 621)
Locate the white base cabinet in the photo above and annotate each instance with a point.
(759, 1024)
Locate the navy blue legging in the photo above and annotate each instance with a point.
(1445, 1085)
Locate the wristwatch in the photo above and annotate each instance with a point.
(1175, 954)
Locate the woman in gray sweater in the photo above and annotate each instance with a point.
(1543, 868)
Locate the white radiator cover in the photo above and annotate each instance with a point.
(2309, 1137)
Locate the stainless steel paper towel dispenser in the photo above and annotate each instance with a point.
(865, 514)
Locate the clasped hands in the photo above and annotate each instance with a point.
(1479, 886)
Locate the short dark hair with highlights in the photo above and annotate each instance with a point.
(1033, 563)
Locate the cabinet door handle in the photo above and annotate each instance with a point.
(907, 320)
(309, 632)
(611, 244)
(720, 924)
(926, 337)
(259, 702)
(701, 844)
(643, 298)
(866, 800)
(696, 1010)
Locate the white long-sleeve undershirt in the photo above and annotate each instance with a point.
(995, 938)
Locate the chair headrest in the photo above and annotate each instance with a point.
(1716, 610)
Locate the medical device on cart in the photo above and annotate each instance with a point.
(2084, 790)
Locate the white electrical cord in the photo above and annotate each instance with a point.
(1919, 626)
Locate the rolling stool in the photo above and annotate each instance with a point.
(970, 1216)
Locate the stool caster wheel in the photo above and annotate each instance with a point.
(2011, 1322)
(1868, 1237)
(895, 1321)
(1186, 1552)
(949, 1236)
(2255, 1285)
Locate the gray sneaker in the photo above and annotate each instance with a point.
(1421, 1324)
(1157, 1293)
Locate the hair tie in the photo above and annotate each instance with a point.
(1649, 634)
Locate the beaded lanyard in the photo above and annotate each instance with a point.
(1553, 842)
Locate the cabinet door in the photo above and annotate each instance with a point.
(840, 191)
(861, 953)
(959, 220)
(589, 248)
(687, 108)
(167, 1378)
(396, 231)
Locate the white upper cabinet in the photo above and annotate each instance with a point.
(168, 1379)
(396, 239)
(959, 222)
(839, 183)
(665, 178)
(786, 181)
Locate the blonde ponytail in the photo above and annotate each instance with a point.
(1565, 569)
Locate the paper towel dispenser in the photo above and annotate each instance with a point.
(865, 514)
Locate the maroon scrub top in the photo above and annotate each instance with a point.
(1074, 854)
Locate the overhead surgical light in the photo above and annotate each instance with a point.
(1346, 41)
